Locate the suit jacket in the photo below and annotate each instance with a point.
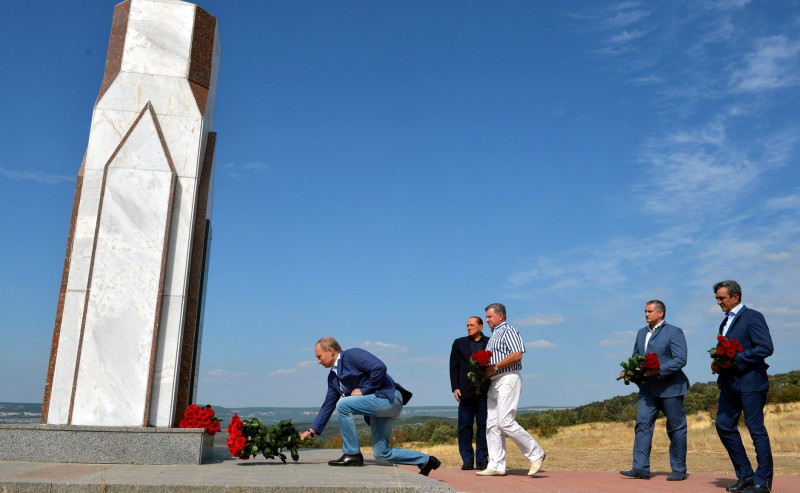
(669, 343)
(356, 369)
(460, 366)
(749, 374)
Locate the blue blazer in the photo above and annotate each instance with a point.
(749, 374)
(669, 343)
(356, 369)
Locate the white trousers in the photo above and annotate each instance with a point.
(500, 423)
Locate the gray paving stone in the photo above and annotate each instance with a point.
(222, 474)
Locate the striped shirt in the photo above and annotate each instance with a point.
(504, 341)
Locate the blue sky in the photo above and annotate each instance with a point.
(386, 169)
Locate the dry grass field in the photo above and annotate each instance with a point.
(608, 446)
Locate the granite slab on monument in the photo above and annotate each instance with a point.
(105, 445)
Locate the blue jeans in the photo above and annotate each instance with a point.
(382, 414)
(470, 411)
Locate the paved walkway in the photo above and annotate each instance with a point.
(311, 474)
(594, 481)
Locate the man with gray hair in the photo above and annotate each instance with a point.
(743, 387)
(506, 362)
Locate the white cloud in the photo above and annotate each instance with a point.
(624, 17)
(540, 344)
(37, 176)
(220, 373)
(295, 369)
(384, 347)
(772, 65)
(625, 337)
(536, 319)
(244, 171)
(624, 37)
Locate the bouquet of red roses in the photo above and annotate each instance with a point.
(197, 417)
(637, 365)
(479, 361)
(249, 437)
(725, 351)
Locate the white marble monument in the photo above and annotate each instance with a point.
(126, 338)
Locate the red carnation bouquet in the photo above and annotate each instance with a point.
(725, 351)
(479, 361)
(637, 365)
(197, 417)
(249, 437)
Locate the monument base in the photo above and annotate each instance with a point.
(105, 445)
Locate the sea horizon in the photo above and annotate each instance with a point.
(30, 413)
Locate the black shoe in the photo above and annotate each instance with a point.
(348, 460)
(741, 484)
(480, 466)
(433, 463)
(633, 473)
(676, 476)
(466, 467)
(758, 489)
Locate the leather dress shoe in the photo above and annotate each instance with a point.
(676, 476)
(466, 467)
(757, 488)
(348, 460)
(741, 484)
(481, 466)
(633, 473)
(433, 463)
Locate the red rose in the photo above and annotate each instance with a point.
(191, 411)
(720, 338)
(720, 350)
(651, 361)
(730, 352)
(213, 428)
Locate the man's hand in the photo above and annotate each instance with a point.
(652, 371)
(457, 395)
(491, 369)
(306, 435)
(356, 392)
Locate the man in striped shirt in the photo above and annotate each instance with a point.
(507, 348)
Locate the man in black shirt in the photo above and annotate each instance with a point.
(471, 404)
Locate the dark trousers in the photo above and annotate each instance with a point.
(731, 405)
(469, 412)
(646, 414)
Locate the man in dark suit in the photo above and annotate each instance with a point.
(359, 385)
(471, 404)
(743, 386)
(662, 390)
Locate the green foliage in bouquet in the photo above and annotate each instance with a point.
(634, 368)
(249, 437)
